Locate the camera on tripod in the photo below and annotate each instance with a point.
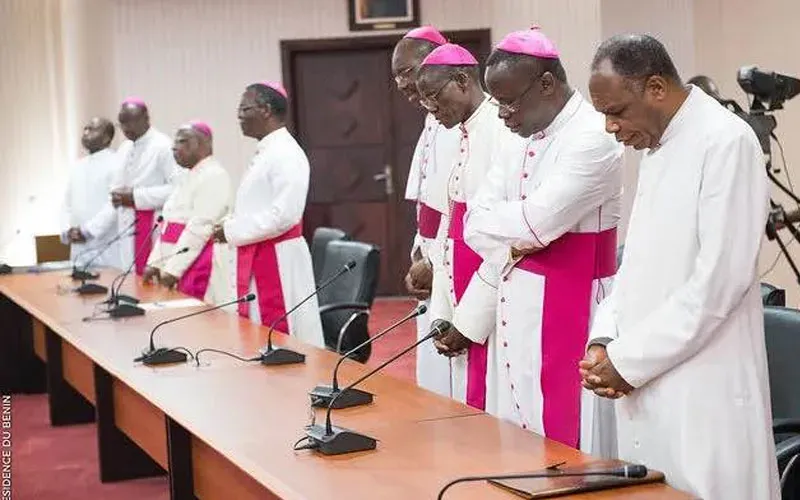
(769, 90)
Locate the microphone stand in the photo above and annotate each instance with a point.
(164, 355)
(331, 440)
(117, 309)
(629, 471)
(281, 356)
(322, 395)
(83, 274)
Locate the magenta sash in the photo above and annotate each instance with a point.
(142, 238)
(465, 264)
(428, 220)
(260, 261)
(195, 279)
(570, 265)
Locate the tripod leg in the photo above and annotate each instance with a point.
(788, 257)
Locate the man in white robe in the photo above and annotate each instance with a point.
(680, 339)
(201, 199)
(272, 257)
(450, 89)
(434, 154)
(143, 183)
(551, 202)
(87, 196)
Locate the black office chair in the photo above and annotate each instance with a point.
(772, 296)
(345, 305)
(319, 242)
(782, 335)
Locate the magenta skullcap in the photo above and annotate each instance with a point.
(530, 42)
(450, 54)
(201, 127)
(427, 33)
(277, 87)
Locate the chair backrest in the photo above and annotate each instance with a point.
(782, 335)
(357, 286)
(50, 249)
(319, 242)
(772, 296)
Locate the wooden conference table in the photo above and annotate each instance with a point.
(226, 429)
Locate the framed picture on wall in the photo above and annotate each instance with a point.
(383, 14)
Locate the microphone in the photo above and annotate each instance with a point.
(632, 471)
(115, 297)
(282, 356)
(81, 274)
(120, 310)
(164, 355)
(84, 274)
(330, 440)
(322, 395)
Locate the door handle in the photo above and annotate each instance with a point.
(386, 177)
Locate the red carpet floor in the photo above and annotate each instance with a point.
(61, 462)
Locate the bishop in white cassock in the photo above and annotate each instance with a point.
(272, 257)
(142, 184)
(450, 89)
(552, 201)
(185, 255)
(434, 154)
(680, 340)
(87, 196)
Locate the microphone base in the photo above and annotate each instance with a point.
(162, 356)
(281, 356)
(79, 275)
(322, 395)
(5, 269)
(338, 442)
(125, 311)
(127, 298)
(91, 289)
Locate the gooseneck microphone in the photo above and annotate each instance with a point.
(331, 440)
(83, 273)
(119, 309)
(633, 471)
(322, 395)
(164, 355)
(116, 297)
(283, 356)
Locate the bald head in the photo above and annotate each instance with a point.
(192, 144)
(134, 119)
(406, 59)
(97, 134)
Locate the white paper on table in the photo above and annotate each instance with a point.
(171, 304)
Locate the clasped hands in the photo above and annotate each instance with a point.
(152, 274)
(599, 375)
(122, 198)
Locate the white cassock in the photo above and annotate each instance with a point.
(86, 197)
(149, 169)
(273, 260)
(686, 315)
(200, 200)
(434, 154)
(478, 136)
(560, 189)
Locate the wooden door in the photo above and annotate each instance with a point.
(359, 134)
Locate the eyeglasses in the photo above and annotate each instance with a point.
(429, 102)
(403, 75)
(245, 109)
(516, 104)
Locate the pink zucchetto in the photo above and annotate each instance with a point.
(201, 127)
(277, 87)
(450, 54)
(427, 33)
(530, 42)
(134, 101)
